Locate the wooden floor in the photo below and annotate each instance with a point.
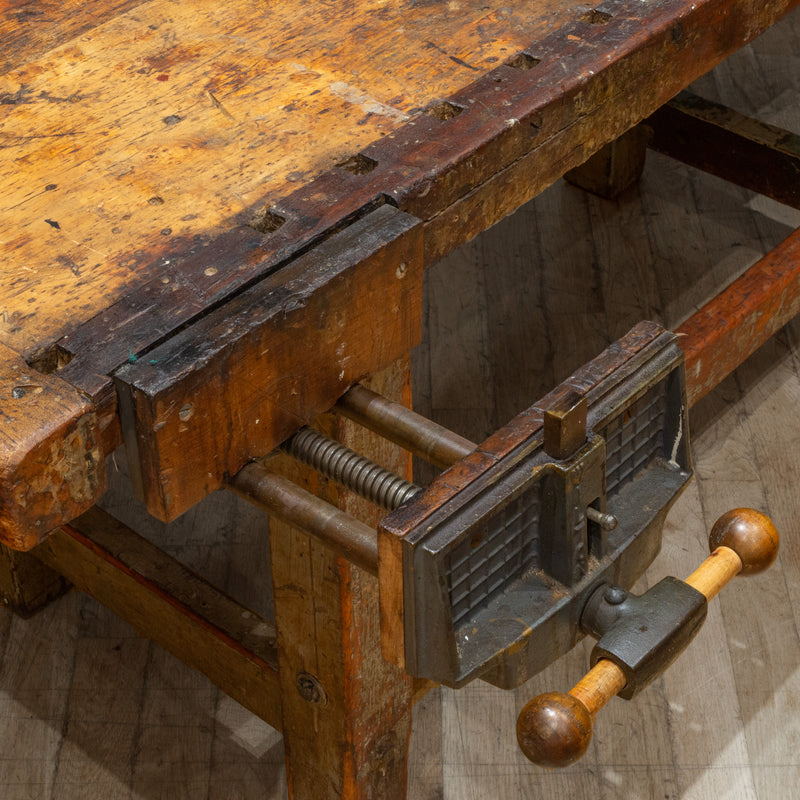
(88, 710)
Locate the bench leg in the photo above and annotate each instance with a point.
(27, 585)
(346, 712)
(615, 167)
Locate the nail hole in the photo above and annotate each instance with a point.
(523, 61)
(156, 201)
(443, 110)
(266, 221)
(595, 17)
(359, 164)
(186, 412)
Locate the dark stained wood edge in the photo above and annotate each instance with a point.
(26, 584)
(435, 168)
(236, 384)
(614, 167)
(51, 465)
(732, 146)
(168, 603)
(734, 324)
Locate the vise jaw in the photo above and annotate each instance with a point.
(500, 554)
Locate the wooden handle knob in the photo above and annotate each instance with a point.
(750, 534)
(555, 729)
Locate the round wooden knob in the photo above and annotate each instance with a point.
(554, 729)
(750, 534)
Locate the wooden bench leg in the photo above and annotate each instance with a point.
(346, 712)
(615, 167)
(27, 585)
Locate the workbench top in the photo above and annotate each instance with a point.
(193, 191)
(132, 131)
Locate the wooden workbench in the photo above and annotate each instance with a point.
(215, 222)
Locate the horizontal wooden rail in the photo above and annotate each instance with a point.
(735, 323)
(732, 146)
(168, 603)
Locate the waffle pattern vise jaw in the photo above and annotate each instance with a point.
(501, 552)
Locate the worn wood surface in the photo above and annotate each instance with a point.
(660, 251)
(91, 711)
(26, 584)
(168, 603)
(196, 409)
(615, 166)
(741, 318)
(164, 125)
(351, 740)
(51, 467)
(160, 184)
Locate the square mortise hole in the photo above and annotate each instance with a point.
(266, 221)
(51, 360)
(443, 110)
(358, 164)
(523, 61)
(595, 17)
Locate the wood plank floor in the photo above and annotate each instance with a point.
(88, 710)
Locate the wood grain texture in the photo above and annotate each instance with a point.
(165, 601)
(614, 167)
(509, 315)
(149, 245)
(163, 125)
(27, 585)
(660, 251)
(741, 318)
(353, 744)
(28, 30)
(206, 402)
(51, 468)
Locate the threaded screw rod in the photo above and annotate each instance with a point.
(350, 469)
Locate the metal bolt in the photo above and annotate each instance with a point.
(310, 689)
(606, 521)
(614, 595)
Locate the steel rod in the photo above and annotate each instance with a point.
(404, 427)
(290, 503)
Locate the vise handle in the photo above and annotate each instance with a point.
(554, 729)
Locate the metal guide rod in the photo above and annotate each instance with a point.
(337, 529)
(352, 470)
(288, 502)
(413, 432)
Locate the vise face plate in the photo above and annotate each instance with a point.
(498, 554)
